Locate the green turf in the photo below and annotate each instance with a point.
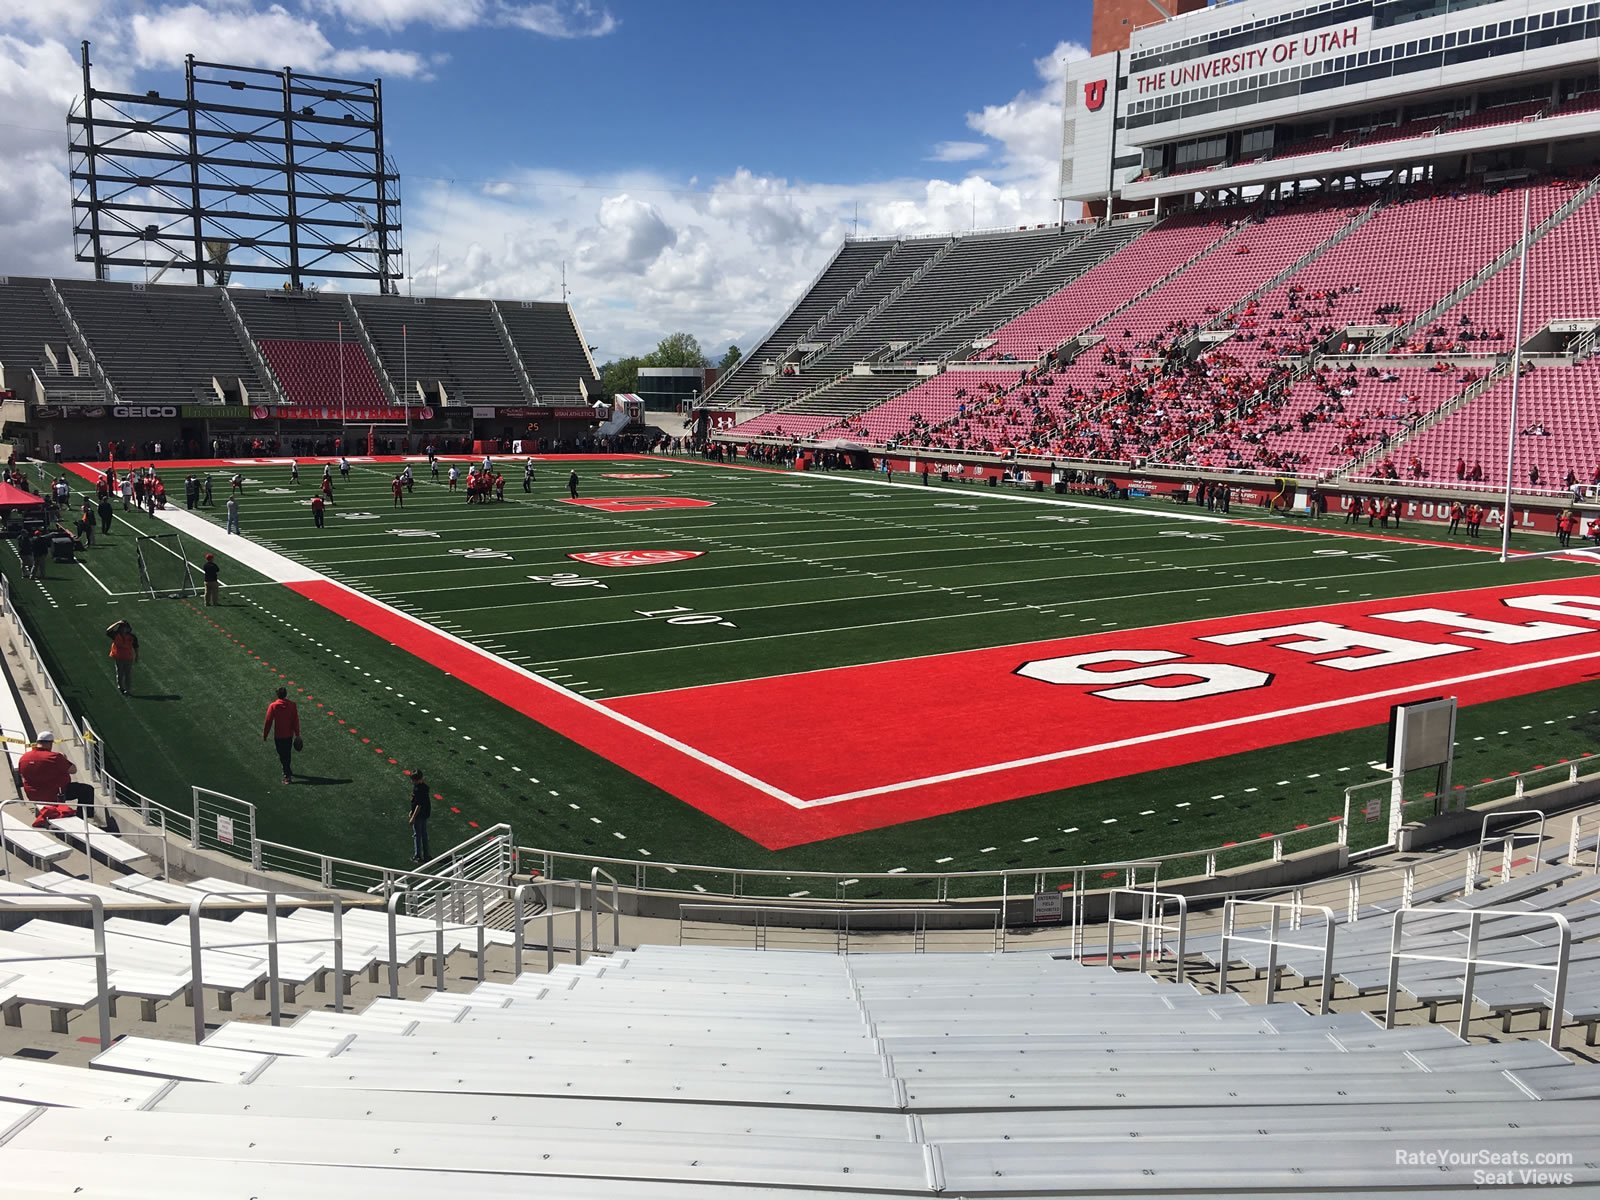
(807, 573)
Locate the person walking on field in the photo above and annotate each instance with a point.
(317, 510)
(233, 514)
(572, 485)
(213, 578)
(124, 653)
(398, 489)
(294, 471)
(283, 723)
(421, 810)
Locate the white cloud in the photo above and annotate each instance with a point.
(63, 18)
(37, 87)
(576, 19)
(958, 151)
(394, 15)
(1028, 126)
(268, 38)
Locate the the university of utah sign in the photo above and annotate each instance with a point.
(1094, 95)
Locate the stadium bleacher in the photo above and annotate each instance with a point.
(547, 339)
(303, 336)
(164, 344)
(28, 323)
(845, 272)
(453, 345)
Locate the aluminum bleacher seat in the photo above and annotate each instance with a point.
(113, 849)
(34, 843)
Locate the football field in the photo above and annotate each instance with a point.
(732, 665)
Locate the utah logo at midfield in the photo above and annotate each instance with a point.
(634, 558)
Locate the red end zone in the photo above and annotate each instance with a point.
(802, 758)
(871, 746)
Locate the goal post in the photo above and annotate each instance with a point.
(164, 569)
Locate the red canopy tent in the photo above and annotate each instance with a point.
(14, 497)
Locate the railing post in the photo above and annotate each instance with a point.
(274, 987)
(1469, 977)
(1223, 960)
(1272, 952)
(1558, 995)
(1393, 987)
(395, 897)
(196, 990)
(438, 942)
(102, 974)
(338, 953)
(518, 916)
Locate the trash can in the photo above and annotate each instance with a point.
(61, 549)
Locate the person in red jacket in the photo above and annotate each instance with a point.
(45, 774)
(317, 512)
(283, 723)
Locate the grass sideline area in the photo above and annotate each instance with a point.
(792, 574)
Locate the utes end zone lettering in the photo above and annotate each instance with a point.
(998, 724)
(634, 558)
(632, 504)
(636, 475)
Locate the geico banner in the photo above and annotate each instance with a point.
(1276, 54)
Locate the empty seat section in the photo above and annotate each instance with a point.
(28, 323)
(162, 344)
(546, 336)
(448, 344)
(850, 265)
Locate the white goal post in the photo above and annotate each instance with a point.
(164, 569)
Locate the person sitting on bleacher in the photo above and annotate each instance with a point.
(45, 774)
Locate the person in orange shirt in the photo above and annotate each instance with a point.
(283, 723)
(124, 653)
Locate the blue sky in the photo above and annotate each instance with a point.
(692, 164)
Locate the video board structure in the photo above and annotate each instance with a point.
(251, 171)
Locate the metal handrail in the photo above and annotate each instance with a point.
(1149, 922)
(1507, 841)
(102, 973)
(1558, 996)
(272, 942)
(1273, 941)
